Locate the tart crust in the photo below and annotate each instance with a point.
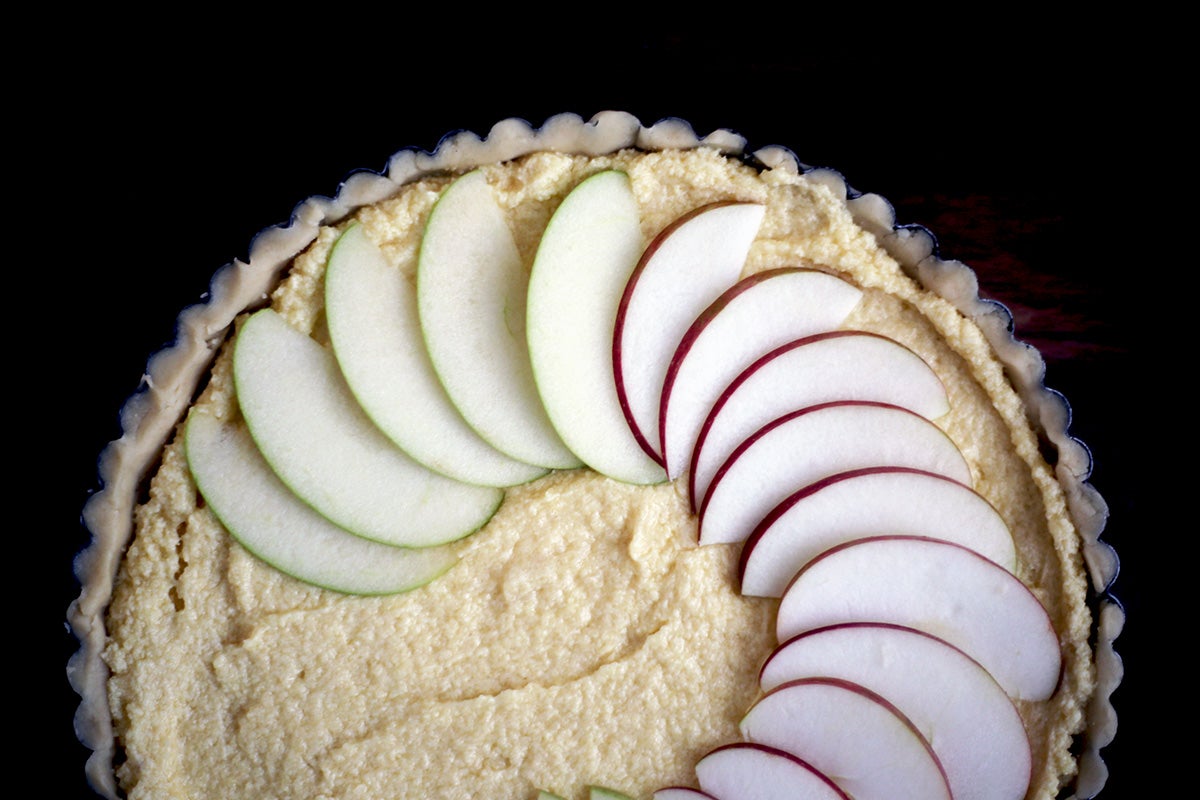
(1006, 368)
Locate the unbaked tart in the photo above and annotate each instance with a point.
(596, 459)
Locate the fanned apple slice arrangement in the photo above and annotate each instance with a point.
(905, 636)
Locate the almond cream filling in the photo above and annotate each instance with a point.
(583, 638)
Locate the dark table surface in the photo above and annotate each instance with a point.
(999, 162)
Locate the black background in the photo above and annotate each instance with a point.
(156, 157)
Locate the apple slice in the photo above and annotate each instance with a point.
(941, 588)
(584, 260)
(851, 734)
(962, 712)
(839, 365)
(877, 501)
(753, 317)
(746, 771)
(681, 793)
(273, 524)
(371, 311)
(319, 441)
(684, 269)
(813, 443)
(604, 793)
(471, 291)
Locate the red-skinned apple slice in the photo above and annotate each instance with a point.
(583, 263)
(877, 501)
(839, 365)
(753, 317)
(323, 446)
(813, 443)
(373, 327)
(941, 588)
(966, 717)
(277, 527)
(471, 293)
(859, 739)
(682, 271)
(747, 771)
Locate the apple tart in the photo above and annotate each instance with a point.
(596, 459)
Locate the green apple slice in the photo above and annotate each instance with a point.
(587, 254)
(321, 444)
(372, 315)
(273, 524)
(471, 288)
(604, 793)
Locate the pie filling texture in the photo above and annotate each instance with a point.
(486, 364)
